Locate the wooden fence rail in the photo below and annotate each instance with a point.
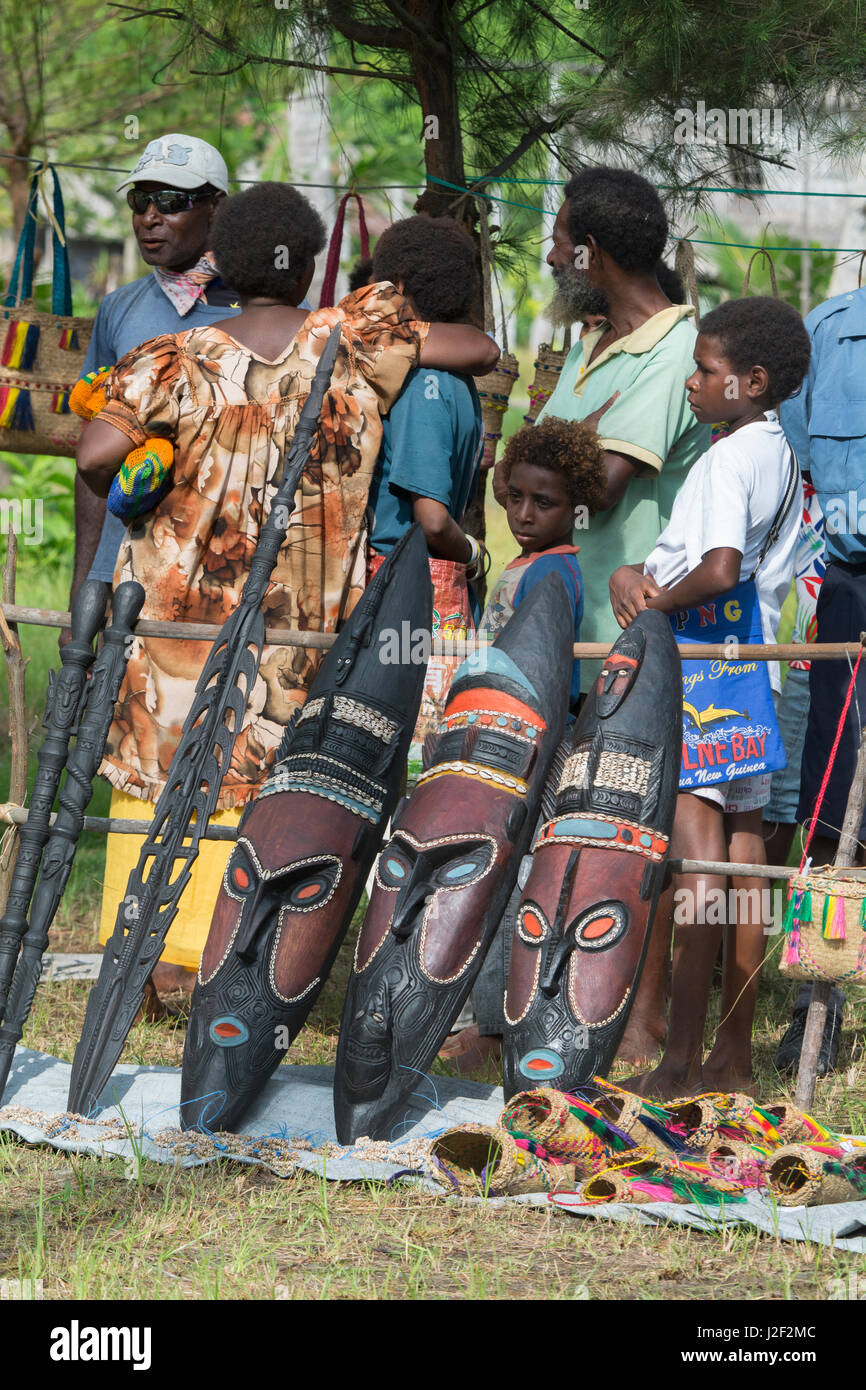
(584, 651)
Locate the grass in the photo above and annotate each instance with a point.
(104, 1228)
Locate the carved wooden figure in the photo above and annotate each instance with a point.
(444, 878)
(306, 845)
(585, 914)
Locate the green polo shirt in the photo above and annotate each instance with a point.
(650, 422)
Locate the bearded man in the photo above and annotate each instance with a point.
(627, 377)
(608, 237)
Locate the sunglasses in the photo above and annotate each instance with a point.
(165, 200)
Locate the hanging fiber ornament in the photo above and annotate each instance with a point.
(142, 480)
(834, 918)
(332, 264)
(792, 927)
(20, 344)
(16, 410)
(87, 397)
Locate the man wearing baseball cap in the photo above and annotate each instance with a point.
(173, 193)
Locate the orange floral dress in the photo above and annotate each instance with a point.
(230, 415)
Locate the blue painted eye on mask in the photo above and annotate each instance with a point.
(460, 871)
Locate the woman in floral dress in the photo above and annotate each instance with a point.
(228, 397)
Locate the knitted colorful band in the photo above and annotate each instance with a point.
(142, 480)
(87, 397)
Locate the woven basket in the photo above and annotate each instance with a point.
(48, 381)
(738, 1161)
(494, 390)
(820, 902)
(41, 354)
(553, 1129)
(548, 367)
(666, 1180)
(803, 1175)
(483, 1161)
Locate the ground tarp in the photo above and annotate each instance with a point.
(292, 1127)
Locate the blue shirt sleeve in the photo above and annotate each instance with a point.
(565, 566)
(568, 569)
(422, 438)
(794, 412)
(99, 354)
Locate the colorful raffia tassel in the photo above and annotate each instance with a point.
(834, 918)
(142, 480)
(20, 344)
(87, 397)
(16, 411)
(560, 1128)
(791, 926)
(68, 339)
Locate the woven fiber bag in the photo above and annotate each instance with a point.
(493, 392)
(485, 1161)
(825, 927)
(41, 354)
(548, 366)
(806, 1175)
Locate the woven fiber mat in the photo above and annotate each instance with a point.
(291, 1127)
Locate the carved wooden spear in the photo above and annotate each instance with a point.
(81, 768)
(66, 688)
(192, 786)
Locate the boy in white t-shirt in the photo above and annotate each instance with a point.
(751, 354)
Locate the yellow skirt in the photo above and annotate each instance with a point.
(188, 932)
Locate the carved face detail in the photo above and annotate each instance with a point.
(618, 673)
(264, 902)
(561, 926)
(440, 884)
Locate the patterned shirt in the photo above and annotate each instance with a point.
(230, 415)
(808, 572)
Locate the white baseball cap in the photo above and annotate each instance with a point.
(179, 161)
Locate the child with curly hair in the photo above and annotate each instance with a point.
(734, 524)
(554, 481)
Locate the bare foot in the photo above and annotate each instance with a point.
(728, 1078)
(152, 1008)
(168, 979)
(643, 1041)
(667, 1081)
(469, 1050)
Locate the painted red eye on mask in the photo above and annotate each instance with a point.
(240, 878)
(313, 891)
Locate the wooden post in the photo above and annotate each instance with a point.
(18, 734)
(816, 1018)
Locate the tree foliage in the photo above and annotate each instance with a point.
(510, 84)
